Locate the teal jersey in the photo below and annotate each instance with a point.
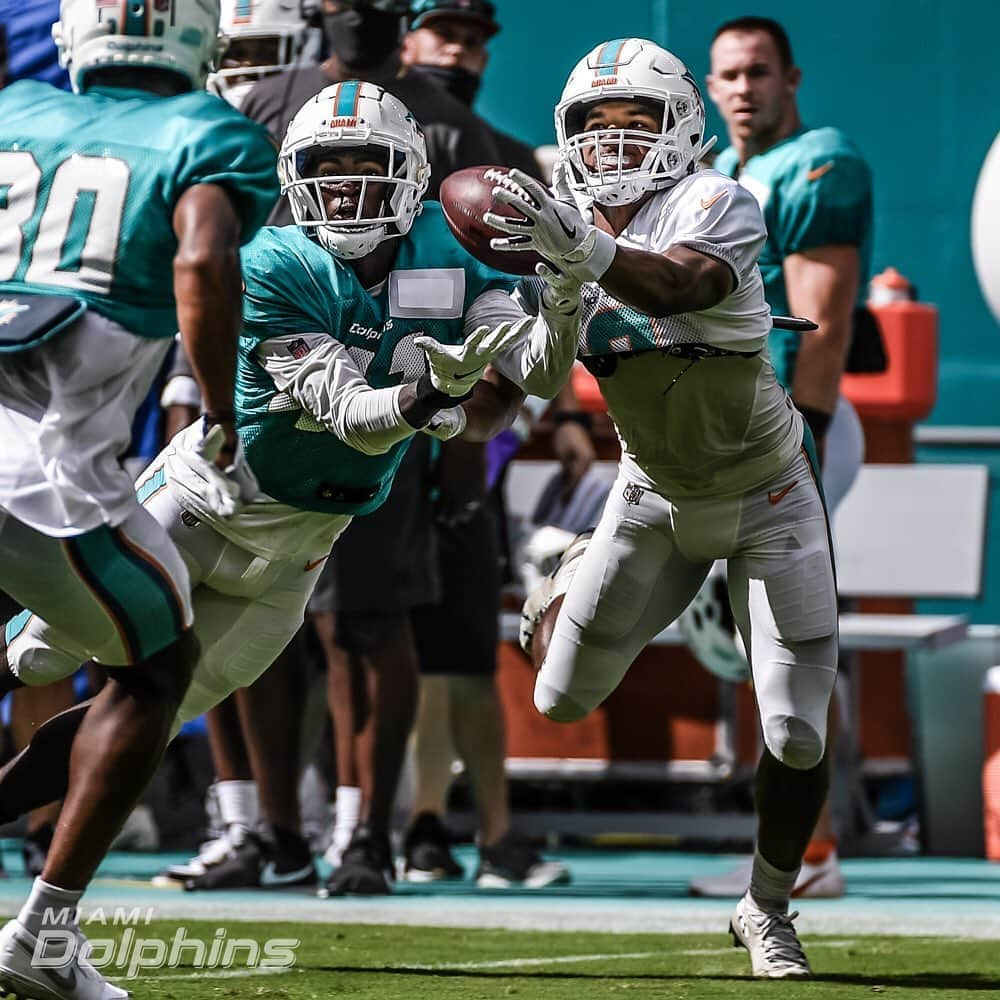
(814, 190)
(89, 183)
(293, 285)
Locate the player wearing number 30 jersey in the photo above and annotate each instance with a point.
(122, 210)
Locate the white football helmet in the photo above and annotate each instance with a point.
(181, 36)
(281, 26)
(630, 69)
(346, 116)
(710, 632)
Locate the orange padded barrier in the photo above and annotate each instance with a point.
(907, 390)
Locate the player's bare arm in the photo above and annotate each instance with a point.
(680, 280)
(822, 284)
(207, 289)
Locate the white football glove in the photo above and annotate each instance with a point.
(551, 228)
(223, 489)
(446, 424)
(560, 293)
(562, 191)
(456, 368)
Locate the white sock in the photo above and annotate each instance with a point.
(770, 888)
(48, 900)
(347, 813)
(239, 804)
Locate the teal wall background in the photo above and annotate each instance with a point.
(916, 84)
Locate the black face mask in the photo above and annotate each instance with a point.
(361, 37)
(460, 83)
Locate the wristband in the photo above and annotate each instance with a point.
(219, 417)
(433, 397)
(818, 421)
(592, 258)
(585, 420)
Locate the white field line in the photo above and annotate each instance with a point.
(519, 963)
(214, 974)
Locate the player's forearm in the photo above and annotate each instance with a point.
(819, 366)
(208, 292)
(658, 286)
(540, 364)
(494, 406)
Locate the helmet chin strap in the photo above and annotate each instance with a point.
(706, 146)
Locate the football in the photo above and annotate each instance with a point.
(466, 196)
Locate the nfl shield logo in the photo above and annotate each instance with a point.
(632, 494)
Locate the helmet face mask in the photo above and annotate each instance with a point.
(179, 36)
(265, 37)
(350, 225)
(602, 158)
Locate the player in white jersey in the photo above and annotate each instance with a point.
(713, 460)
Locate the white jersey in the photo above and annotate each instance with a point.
(66, 410)
(710, 427)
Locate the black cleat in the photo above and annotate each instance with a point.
(427, 853)
(269, 858)
(513, 863)
(366, 869)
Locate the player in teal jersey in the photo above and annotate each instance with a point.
(124, 206)
(815, 191)
(363, 325)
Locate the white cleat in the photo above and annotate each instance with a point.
(822, 881)
(770, 938)
(554, 585)
(24, 974)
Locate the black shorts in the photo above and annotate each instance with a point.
(387, 560)
(459, 634)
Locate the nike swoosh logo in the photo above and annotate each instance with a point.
(66, 980)
(803, 887)
(781, 494)
(471, 371)
(313, 563)
(570, 233)
(269, 875)
(817, 172)
(707, 203)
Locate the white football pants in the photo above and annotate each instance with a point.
(646, 561)
(246, 610)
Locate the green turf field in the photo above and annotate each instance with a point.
(411, 963)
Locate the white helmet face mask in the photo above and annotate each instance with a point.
(277, 31)
(346, 116)
(630, 69)
(181, 36)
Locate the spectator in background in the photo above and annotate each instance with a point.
(363, 41)
(446, 44)
(457, 635)
(814, 189)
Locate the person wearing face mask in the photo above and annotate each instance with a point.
(363, 42)
(447, 43)
(460, 711)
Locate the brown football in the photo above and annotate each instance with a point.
(466, 196)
